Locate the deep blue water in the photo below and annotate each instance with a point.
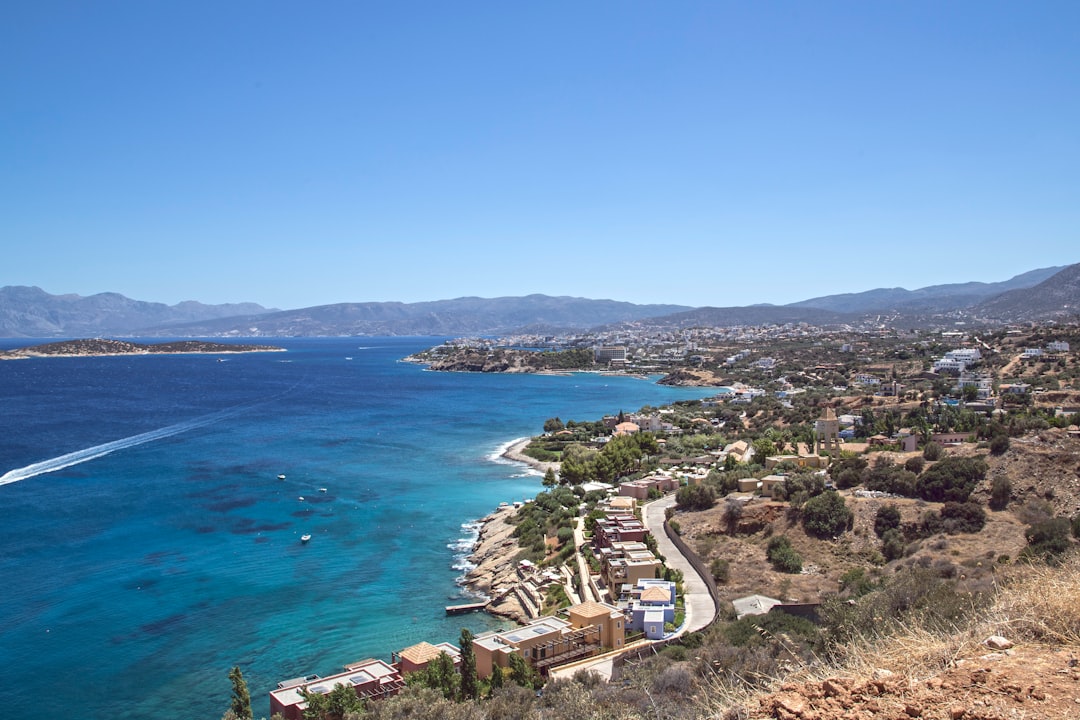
(167, 550)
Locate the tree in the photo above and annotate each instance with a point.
(782, 555)
(827, 515)
(520, 672)
(497, 679)
(999, 444)
(553, 425)
(1000, 492)
(932, 451)
(549, 478)
(887, 518)
(340, 703)
(469, 682)
(695, 497)
(241, 698)
(951, 479)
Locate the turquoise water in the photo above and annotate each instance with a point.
(147, 544)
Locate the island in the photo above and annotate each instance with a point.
(96, 347)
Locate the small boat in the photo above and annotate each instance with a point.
(322, 489)
(301, 498)
(280, 477)
(304, 538)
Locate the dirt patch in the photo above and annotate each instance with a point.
(1025, 682)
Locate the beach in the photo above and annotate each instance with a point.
(516, 453)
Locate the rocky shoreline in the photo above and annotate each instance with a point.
(494, 555)
(494, 572)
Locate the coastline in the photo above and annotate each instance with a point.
(493, 557)
(514, 451)
(494, 572)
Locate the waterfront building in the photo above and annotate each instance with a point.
(547, 642)
(417, 657)
(370, 680)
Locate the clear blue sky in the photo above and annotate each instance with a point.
(715, 153)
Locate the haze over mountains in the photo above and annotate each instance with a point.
(1043, 294)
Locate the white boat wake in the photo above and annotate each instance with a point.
(92, 453)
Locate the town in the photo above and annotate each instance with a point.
(869, 443)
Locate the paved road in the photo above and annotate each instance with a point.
(700, 608)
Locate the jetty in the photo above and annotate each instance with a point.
(466, 608)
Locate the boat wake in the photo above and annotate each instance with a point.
(92, 453)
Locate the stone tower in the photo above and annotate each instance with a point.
(827, 434)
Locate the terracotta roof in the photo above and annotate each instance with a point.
(655, 593)
(420, 653)
(590, 609)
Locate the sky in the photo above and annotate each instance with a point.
(695, 153)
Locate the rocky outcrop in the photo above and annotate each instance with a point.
(495, 574)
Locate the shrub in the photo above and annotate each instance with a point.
(952, 479)
(1000, 492)
(848, 472)
(892, 544)
(695, 497)
(1048, 538)
(782, 556)
(999, 444)
(892, 479)
(965, 517)
(887, 518)
(721, 570)
(932, 451)
(827, 515)
(855, 582)
(915, 464)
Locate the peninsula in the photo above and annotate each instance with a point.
(96, 347)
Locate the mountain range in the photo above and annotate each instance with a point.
(1043, 294)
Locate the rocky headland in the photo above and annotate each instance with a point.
(494, 574)
(95, 347)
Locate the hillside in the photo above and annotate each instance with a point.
(933, 298)
(1056, 298)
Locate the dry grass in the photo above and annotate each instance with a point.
(1037, 604)
(1041, 603)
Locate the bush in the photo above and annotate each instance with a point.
(855, 582)
(951, 480)
(695, 497)
(721, 570)
(1000, 492)
(932, 451)
(999, 444)
(827, 515)
(892, 479)
(966, 517)
(782, 556)
(887, 518)
(1048, 538)
(915, 464)
(848, 472)
(892, 544)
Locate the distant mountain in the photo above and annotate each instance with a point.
(754, 315)
(32, 312)
(463, 316)
(934, 298)
(1056, 298)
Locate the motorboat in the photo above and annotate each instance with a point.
(304, 538)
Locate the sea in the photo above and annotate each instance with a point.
(148, 544)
